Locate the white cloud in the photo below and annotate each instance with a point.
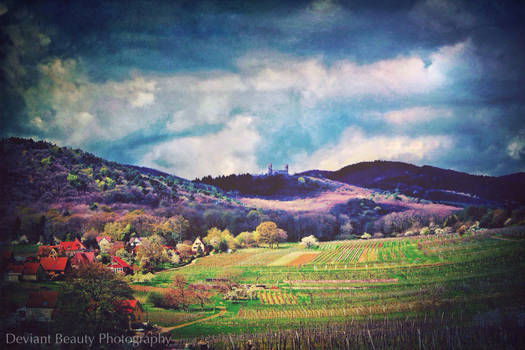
(37, 122)
(313, 79)
(142, 99)
(516, 147)
(68, 107)
(417, 114)
(355, 146)
(138, 92)
(260, 87)
(231, 150)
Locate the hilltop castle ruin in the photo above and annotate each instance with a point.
(271, 171)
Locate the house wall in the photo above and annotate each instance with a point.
(39, 314)
(138, 315)
(29, 277)
(13, 277)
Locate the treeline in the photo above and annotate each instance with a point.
(247, 184)
(489, 217)
(348, 220)
(261, 185)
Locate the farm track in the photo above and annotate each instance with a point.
(169, 329)
(147, 289)
(506, 239)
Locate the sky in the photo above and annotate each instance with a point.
(198, 88)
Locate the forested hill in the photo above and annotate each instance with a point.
(38, 171)
(54, 191)
(431, 183)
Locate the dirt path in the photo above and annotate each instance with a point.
(505, 239)
(220, 313)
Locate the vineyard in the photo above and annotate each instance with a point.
(272, 297)
(353, 253)
(462, 279)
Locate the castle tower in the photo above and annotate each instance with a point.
(286, 168)
(270, 169)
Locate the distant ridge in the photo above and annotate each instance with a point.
(430, 182)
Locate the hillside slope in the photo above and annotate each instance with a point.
(431, 183)
(42, 172)
(55, 191)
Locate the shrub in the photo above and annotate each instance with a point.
(45, 161)
(366, 236)
(240, 293)
(424, 231)
(140, 278)
(156, 299)
(73, 179)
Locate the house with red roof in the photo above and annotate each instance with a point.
(134, 310)
(120, 266)
(72, 247)
(40, 306)
(82, 259)
(30, 271)
(14, 272)
(56, 267)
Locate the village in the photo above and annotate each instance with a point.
(60, 261)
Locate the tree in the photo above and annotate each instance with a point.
(116, 246)
(269, 233)
(220, 240)
(173, 229)
(173, 257)
(125, 255)
(346, 229)
(246, 239)
(152, 252)
(201, 293)
(88, 303)
(310, 241)
(104, 246)
(185, 251)
(241, 292)
(179, 295)
(117, 231)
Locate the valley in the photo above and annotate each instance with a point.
(305, 261)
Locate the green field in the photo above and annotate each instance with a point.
(458, 280)
(416, 290)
